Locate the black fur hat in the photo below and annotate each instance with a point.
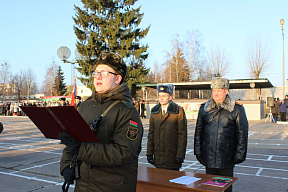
(114, 61)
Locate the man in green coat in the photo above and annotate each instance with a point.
(167, 137)
(112, 163)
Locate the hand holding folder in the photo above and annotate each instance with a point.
(53, 120)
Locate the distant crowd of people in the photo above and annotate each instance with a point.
(279, 109)
(13, 109)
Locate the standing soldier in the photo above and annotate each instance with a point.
(221, 133)
(111, 164)
(143, 109)
(62, 101)
(167, 137)
(78, 102)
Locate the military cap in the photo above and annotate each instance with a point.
(78, 97)
(168, 88)
(114, 61)
(62, 99)
(219, 83)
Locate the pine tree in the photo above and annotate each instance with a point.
(59, 87)
(110, 25)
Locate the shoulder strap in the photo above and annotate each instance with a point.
(112, 105)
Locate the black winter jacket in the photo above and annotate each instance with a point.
(221, 134)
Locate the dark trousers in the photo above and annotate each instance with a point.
(222, 172)
(275, 117)
(282, 116)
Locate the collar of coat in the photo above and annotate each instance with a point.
(228, 104)
(172, 108)
(121, 92)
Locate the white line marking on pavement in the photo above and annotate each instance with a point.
(270, 157)
(34, 178)
(259, 172)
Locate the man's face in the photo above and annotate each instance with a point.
(104, 84)
(77, 100)
(164, 98)
(62, 102)
(219, 95)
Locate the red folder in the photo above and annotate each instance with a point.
(53, 120)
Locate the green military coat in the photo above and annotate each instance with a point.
(167, 137)
(111, 164)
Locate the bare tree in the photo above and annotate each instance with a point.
(18, 81)
(258, 56)
(30, 83)
(155, 76)
(219, 62)
(194, 53)
(47, 86)
(5, 77)
(176, 68)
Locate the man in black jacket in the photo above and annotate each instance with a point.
(221, 133)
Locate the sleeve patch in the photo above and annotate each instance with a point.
(132, 133)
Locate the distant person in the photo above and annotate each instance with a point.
(143, 110)
(282, 110)
(16, 109)
(11, 111)
(4, 109)
(167, 137)
(274, 110)
(136, 105)
(8, 109)
(78, 102)
(62, 101)
(221, 133)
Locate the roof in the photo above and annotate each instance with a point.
(202, 85)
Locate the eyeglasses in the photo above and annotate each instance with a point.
(102, 74)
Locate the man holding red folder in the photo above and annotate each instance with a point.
(112, 163)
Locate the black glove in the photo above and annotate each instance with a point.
(179, 160)
(69, 175)
(199, 158)
(150, 159)
(237, 161)
(72, 144)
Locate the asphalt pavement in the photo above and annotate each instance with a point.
(29, 162)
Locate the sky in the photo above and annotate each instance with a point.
(31, 32)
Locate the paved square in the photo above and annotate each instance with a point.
(29, 162)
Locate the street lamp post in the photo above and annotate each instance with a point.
(64, 53)
(283, 89)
